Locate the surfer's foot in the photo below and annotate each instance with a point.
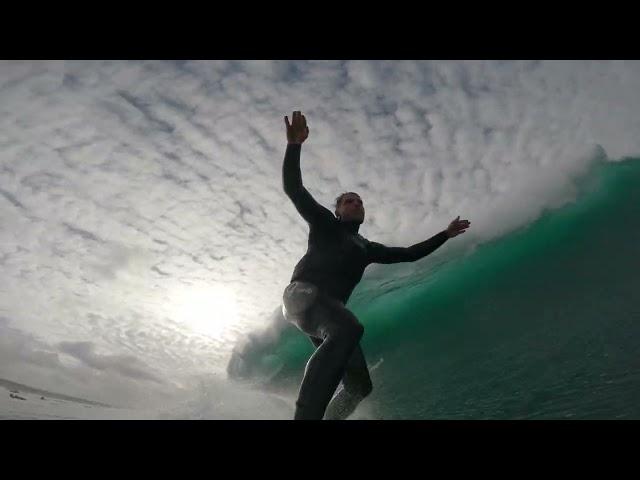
(342, 405)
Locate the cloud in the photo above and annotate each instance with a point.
(17, 347)
(11, 199)
(127, 365)
(112, 378)
(126, 182)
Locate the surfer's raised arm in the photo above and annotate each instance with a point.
(379, 253)
(297, 133)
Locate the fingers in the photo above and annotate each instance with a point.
(297, 118)
(458, 226)
(298, 125)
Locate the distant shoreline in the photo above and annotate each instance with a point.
(9, 385)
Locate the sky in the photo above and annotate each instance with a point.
(144, 226)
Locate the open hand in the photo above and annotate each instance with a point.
(297, 130)
(457, 227)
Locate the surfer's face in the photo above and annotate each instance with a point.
(351, 208)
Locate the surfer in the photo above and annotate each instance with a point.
(322, 281)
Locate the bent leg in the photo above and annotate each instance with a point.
(340, 333)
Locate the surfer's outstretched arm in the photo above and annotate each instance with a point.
(306, 205)
(379, 253)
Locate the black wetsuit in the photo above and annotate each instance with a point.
(321, 284)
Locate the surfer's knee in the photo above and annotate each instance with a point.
(359, 330)
(366, 388)
(346, 332)
(361, 388)
(354, 331)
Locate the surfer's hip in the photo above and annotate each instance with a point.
(313, 311)
(298, 298)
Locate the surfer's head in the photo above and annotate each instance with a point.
(349, 207)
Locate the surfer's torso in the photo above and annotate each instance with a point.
(336, 258)
(337, 254)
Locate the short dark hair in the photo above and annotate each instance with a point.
(341, 196)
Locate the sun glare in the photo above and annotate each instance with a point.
(207, 310)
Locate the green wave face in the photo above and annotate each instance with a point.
(541, 323)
